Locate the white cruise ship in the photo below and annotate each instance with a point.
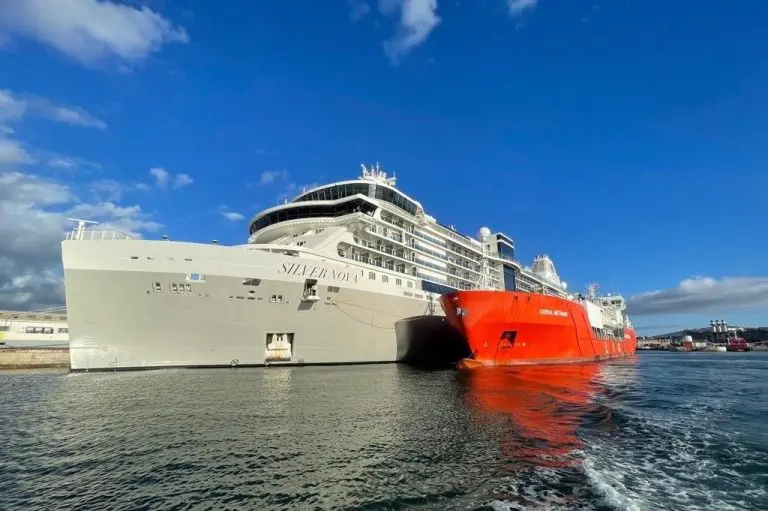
(323, 279)
(34, 329)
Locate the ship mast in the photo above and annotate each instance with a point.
(77, 232)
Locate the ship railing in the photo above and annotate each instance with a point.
(98, 235)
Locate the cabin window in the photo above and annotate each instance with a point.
(371, 275)
(63, 330)
(384, 279)
(398, 282)
(174, 288)
(48, 330)
(189, 288)
(4, 328)
(158, 287)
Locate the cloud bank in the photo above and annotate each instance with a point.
(34, 213)
(703, 294)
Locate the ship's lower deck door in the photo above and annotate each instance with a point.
(279, 347)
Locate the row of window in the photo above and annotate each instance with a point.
(385, 279)
(173, 287)
(335, 192)
(616, 334)
(339, 191)
(44, 330)
(299, 211)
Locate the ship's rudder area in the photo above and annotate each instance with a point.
(429, 342)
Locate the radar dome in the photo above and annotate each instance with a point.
(483, 233)
(565, 285)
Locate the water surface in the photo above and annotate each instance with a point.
(660, 431)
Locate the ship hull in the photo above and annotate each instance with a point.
(429, 342)
(123, 314)
(511, 328)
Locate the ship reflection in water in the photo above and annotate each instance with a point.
(539, 409)
(536, 414)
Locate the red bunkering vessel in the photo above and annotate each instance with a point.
(518, 328)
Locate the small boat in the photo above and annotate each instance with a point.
(738, 344)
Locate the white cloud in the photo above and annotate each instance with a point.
(74, 116)
(703, 294)
(90, 30)
(271, 176)
(161, 176)
(14, 107)
(12, 152)
(11, 107)
(518, 6)
(70, 163)
(107, 190)
(34, 215)
(417, 19)
(182, 180)
(232, 216)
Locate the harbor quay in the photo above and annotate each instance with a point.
(34, 358)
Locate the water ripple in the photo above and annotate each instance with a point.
(624, 435)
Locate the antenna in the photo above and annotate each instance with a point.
(77, 232)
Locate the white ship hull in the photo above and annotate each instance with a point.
(124, 314)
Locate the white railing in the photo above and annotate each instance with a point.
(98, 235)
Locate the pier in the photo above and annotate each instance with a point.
(34, 358)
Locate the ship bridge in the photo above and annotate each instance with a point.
(340, 198)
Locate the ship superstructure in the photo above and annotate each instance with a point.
(373, 224)
(322, 279)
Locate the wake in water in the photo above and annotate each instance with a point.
(687, 439)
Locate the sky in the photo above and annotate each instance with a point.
(627, 139)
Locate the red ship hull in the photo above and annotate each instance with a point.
(512, 328)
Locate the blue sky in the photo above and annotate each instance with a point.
(627, 139)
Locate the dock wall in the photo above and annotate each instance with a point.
(31, 358)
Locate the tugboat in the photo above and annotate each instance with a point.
(738, 344)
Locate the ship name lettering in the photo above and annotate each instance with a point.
(316, 272)
(550, 312)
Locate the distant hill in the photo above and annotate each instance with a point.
(750, 334)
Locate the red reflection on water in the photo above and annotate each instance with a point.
(538, 408)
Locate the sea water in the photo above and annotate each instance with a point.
(658, 431)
